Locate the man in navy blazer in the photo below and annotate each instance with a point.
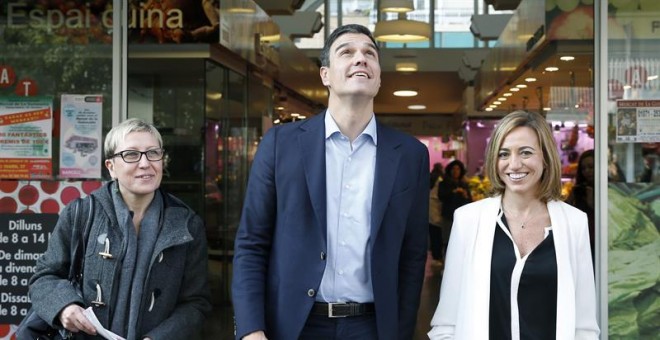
(332, 239)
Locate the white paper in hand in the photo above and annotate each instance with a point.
(100, 330)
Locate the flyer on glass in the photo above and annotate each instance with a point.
(80, 128)
(26, 125)
(637, 121)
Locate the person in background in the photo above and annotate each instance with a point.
(453, 192)
(614, 171)
(145, 269)
(582, 193)
(518, 264)
(435, 215)
(332, 242)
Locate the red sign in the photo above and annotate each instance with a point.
(26, 87)
(7, 76)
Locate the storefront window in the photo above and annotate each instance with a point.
(633, 136)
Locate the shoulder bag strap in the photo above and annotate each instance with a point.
(79, 238)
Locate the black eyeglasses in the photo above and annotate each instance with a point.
(134, 156)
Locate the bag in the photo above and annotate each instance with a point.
(33, 327)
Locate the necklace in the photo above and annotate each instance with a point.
(527, 217)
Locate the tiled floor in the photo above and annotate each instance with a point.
(221, 324)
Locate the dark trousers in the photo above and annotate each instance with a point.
(320, 327)
(435, 241)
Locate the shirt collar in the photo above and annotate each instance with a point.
(331, 127)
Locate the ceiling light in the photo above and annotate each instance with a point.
(514, 89)
(402, 30)
(508, 94)
(492, 106)
(489, 109)
(268, 31)
(397, 6)
(567, 58)
(530, 79)
(406, 67)
(279, 108)
(653, 77)
(546, 109)
(497, 102)
(241, 7)
(521, 86)
(294, 114)
(502, 99)
(405, 93)
(416, 107)
(552, 68)
(625, 87)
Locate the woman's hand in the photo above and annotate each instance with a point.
(73, 320)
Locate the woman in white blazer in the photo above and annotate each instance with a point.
(518, 265)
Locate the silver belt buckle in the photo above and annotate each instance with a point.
(331, 314)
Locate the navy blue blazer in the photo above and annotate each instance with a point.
(281, 241)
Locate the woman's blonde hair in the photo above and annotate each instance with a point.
(550, 185)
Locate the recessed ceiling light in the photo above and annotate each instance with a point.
(416, 107)
(406, 67)
(295, 114)
(567, 58)
(552, 68)
(546, 109)
(405, 93)
(530, 79)
(502, 99)
(514, 89)
(497, 102)
(492, 106)
(522, 86)
(489, 109)
(508, 94)
(279, 108)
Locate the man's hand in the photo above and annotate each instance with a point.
(73, 319)
(258, 335)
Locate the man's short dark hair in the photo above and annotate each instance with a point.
(350, 28)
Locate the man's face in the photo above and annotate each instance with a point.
(354, 67)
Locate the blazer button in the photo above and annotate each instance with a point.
(311, 293)
(322, 255)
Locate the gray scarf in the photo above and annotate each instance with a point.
(136, 262)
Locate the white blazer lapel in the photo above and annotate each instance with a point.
(565, 285)
(479, 300)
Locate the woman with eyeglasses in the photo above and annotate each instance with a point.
(145, 268)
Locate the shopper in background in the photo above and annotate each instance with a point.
(518, 264)
(145, 268)
(435, 215)
(332, 242)
(614, 171)
(582, 193)
(453, 192)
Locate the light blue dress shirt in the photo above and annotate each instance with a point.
(349, 170)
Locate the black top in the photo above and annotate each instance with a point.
(537, 290)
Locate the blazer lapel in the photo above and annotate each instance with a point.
(312, 144)
(387, 164)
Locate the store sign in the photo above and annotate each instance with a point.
(85, 22)
(23, 239)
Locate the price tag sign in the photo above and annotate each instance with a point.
(23, 239)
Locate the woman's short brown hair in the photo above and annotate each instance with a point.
(550, 186)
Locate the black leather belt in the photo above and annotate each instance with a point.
(341, 310)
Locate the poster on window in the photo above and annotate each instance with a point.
(26, 125)
(637, 121)
(80, 128)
